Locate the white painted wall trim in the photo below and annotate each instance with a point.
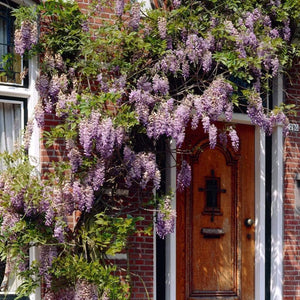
(277, 201)
(34, 149)
(260, 218)
(34, 254)
(171, 238)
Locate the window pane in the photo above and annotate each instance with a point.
(11, 64)
(3, 39)
(10, 126)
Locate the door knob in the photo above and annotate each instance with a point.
(248, 222)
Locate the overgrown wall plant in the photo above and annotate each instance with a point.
(121, 90)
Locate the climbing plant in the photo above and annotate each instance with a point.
(121, 88)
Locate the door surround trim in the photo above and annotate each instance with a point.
(259, 216)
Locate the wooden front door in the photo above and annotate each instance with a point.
(215, 234)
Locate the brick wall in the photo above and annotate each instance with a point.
(291, 282)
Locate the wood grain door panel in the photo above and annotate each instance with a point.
(215, 250)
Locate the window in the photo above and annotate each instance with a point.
(11, 64)
(11, 126)
(11, 123)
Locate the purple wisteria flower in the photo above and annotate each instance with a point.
(184, 176)
(42, 86)
(47, 254)
(207, 61)
(85, 26)
(105, 138)
(119, 7)
(17, 200)
(65, 293)
(206, 123)
(214, 101)
(85, 290)
(78, 195)
(75, 158)
(88, 132)
(223, 138)
(141, 168)
(10, 219)
(142, 102)
(195, 48)
(212, 135)
(96, 176)
(28, 134)
(54, 87)
(162, 27)
(181, 117)
(286, 31)
(160, 84)
(59, 232)
(59, 62)
(135, 16)
(165, 218)
(25, 37)
(144, 84)
(170, 121)
(176, 3)
(234, 139)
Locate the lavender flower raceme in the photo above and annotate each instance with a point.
(119, 7)
(28, 134)
(162, 27)
(286, 30)
(59, 232)
(142, 168)
(59, 62)
(135, 16)
(48, 253)
(96, 176)
(39, 114)
(105, 138)
(212, 104)
(65, 293)
(234, 139)
(75, 159)
(184, 176)
(85, 290)
(223, 138)
(88, 131)
(42, 86)
(176, 3)
(212, 134)
(85, 26)
(54, 87)
(165, 218)
(160, 85)
(25, 37)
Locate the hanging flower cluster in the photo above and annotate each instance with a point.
(165, 218)
(26, 37)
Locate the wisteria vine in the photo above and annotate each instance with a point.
(119, 89)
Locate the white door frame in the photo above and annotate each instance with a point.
(277, 216)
